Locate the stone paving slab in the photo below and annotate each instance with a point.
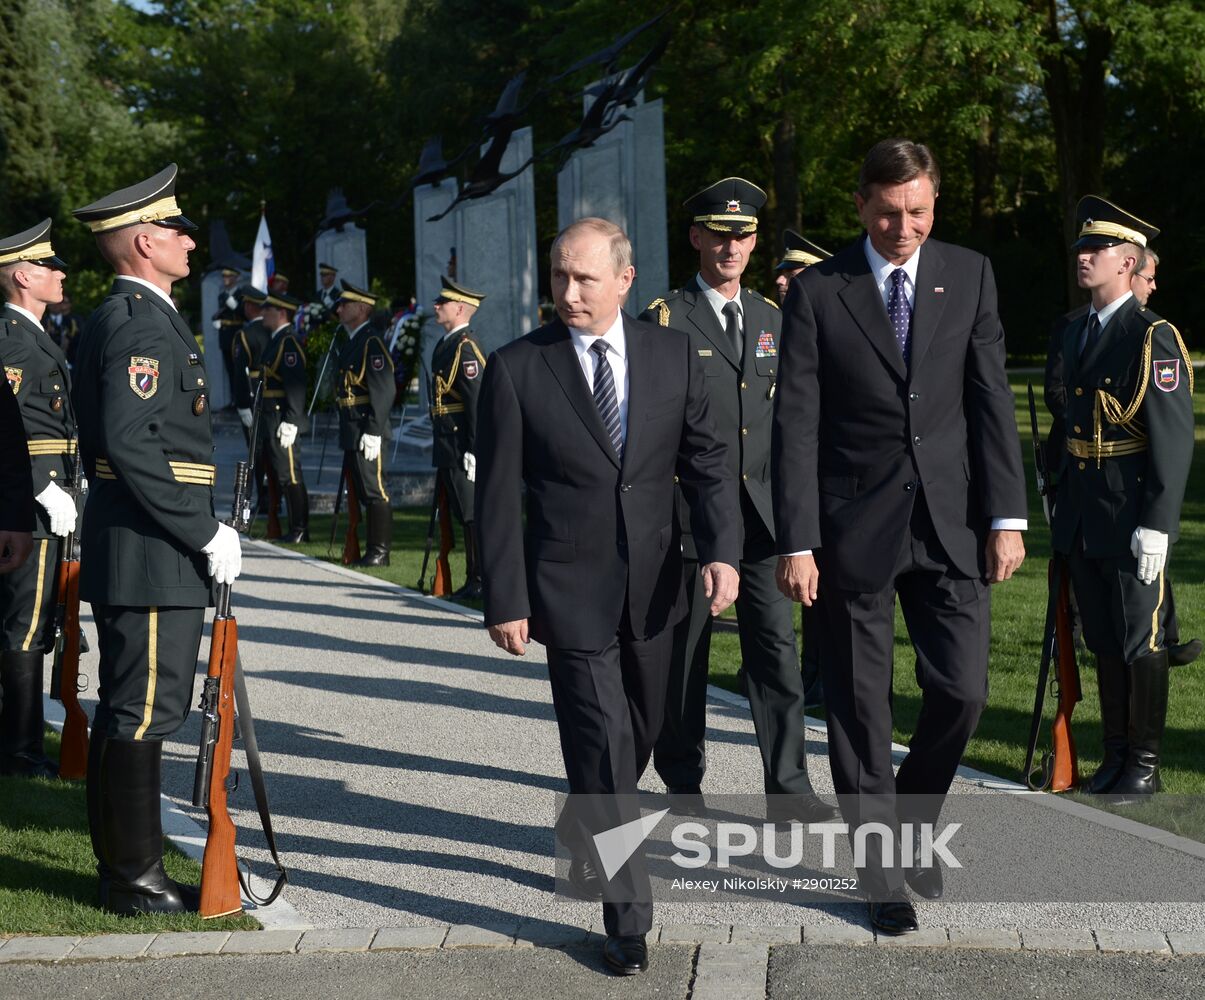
(695, 933)
(261, 942)
(767, 934)
(469, 936)
(924, 937)
(408, 938)
(337, 939)
(838, 934)
(542, 934)
(37, 949)
(187, 943)
(730, 972)
(1057, 939)
(1182, 942)
(112, 946)
(1131, 941)
(985, 938)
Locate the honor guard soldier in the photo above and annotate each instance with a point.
(327, 292)
(1129, 444)
(798, 254)
(365, 397)
(734, 333)
(64, 327)
(457, 365)
(228, 321)
(282, 367)
(151, 539)
(249, 346)
(31, 277)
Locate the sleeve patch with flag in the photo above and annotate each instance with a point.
(144, 376)
(471, 369)
(1167, 374)
(14, 376)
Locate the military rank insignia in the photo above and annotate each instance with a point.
(766, 347)
(144, 377)
(378, 363)
(1167, 374)
(198, 404)
(14, 376)
(291, 359)
(471, 369)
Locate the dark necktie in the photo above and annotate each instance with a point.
(1091, 334)
(899, 313)
(732, 329)
(604, 396)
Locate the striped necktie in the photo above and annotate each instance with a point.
(604, 395)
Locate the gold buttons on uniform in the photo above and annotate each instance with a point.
(53, 474)
(744, 475)
(1108, 381)
(744, 430)
(1077, 429)
(1082, 466)
(56, 388)
(1079, 391)
(744, 386)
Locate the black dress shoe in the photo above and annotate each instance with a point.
(925, 881)
(584, 878)
(626, 954)
(806, 808)
(687, 800)
(893, 916)
(1182, 654)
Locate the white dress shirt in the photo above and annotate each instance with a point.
(154, 288)
(717, 303)
(1107, 313)
(28, 315)
(617, 355)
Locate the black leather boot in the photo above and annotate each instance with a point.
(132, 832)
(379, 534)
(298, 502)
(96, 748)
(1148, 713)
(1112, 678)
(472, 570)
(21, 721)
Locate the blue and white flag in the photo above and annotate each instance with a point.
(263, 264)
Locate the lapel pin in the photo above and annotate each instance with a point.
(938, 290)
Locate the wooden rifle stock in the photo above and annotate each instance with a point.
(441, 586)
(1064, 767)
(351, 541)
(73, 757)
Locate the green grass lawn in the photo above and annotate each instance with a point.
(1018, 615)
(48, 872)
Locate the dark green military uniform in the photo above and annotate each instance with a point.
(228, 320)
(142, 396)
(37, 374)
(1129, 445)
(741, 373)
(64, 330)
(282, 368)
(249, 346)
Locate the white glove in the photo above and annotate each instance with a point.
(1149, 547)
(470, 466)
(225, 553)
(217, 324)
(245, 417)
(370, 446)
(60, 507)
(231, 302)
(286, 434)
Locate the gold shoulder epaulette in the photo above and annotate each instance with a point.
(662, 308)
(767, 301)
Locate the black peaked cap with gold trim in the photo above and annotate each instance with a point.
(249, 293)
(350, 293)
(327, 269)
(799, 252)
(1103, 224)
(282, 300)
(33, 245)
(152, 200)
(727, 206)
(451, 292)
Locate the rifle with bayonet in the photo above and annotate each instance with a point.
(64, 675)
(223, 691)
(1059, 768)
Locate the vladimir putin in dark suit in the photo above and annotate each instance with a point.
(896, 461)
(595, 414)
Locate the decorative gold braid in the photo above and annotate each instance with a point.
(662, 308)
(443, 386)
(1110, 408)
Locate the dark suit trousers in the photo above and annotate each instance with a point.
(949, 621)
(771, 670)
(609, 705)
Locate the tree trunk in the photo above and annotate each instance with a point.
(787, 210)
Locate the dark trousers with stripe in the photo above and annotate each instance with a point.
(1123, 618)
(148, 664)
(369, 477)
(27, 598)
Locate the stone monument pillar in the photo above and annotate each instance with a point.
(345, 248)
(622, 178)
(220, 392)
(434, 243)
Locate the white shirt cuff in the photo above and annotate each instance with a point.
(787, 555)
(1010, 524)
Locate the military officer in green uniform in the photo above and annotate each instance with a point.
(365, 395)
(64, 327)
(797, 255)
(152, 546)
(734, 331)
(1129, 444)
(282, 368)
(31, 278)
(457, 366)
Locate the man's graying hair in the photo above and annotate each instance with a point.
(1145, 254)
(621, 246)
(897, 161)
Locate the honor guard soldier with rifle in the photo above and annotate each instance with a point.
(365, 396)
(734, 333)
(1129, 444)
(457, 366)
(249, 346)
(31, 277)
(282, 367)
(228, 321)
(154, 547)
(327, 292)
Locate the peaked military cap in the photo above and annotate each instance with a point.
(282, 300)
(327, 269)
(1103, 224)
(799, 252)
(727, 206)
(32, 245)
(350, 293)
(452, 292)
(249, 293)
(229, 272)
(151, 200)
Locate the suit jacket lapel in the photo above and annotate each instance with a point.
(639, 383)
(700, 313)
(865, 304)
(927, 304)
(1072, 336)
(561, 357)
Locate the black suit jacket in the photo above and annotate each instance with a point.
(600, 535)
(856, 430)
(1109, 499)
(741, 391)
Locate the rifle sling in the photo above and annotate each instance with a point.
(256, 772)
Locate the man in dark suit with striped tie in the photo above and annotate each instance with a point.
(595, 414)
